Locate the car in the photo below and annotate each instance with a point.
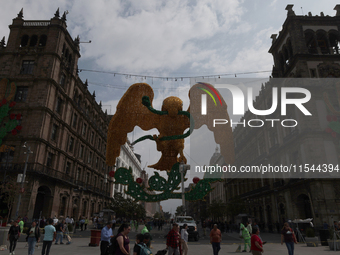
(192, 227)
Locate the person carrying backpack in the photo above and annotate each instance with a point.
(140, 247)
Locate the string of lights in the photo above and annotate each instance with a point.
(172, 78)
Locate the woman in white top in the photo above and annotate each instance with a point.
(184, 239)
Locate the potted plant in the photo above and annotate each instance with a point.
(311, 239)
(333, 242)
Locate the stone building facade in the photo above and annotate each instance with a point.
(307, 47)
(62, 123)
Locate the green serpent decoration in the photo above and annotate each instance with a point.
(157, 183)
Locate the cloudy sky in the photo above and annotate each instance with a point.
(162, 38)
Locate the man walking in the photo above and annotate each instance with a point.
(106, 235)
(60, 232)
(215, 239)
(50, 235)
(172, 240)
(245, 236)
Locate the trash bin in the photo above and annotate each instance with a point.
(324, 235)
(3, 235)
(95, 237)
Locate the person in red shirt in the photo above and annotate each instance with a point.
(256, 242)
(172, 240)
(215, 239)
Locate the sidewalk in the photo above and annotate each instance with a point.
(80, 246)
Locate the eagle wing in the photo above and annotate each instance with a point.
(216, 108)
(129, 114)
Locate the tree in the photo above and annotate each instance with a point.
(127, 208)
(235, 207)
(217, 210)
(167, 215)
(179, 210)
(9, 191)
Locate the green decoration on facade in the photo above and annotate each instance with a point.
(158, 183)
(7, 92)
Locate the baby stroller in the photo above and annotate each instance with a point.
(162, 252)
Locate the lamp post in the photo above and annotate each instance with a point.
(181, 165)
(28, 152)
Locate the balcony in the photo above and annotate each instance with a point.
(255, 192)
(47, 172)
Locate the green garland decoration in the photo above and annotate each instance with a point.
(146, 102)
(157, 183)
(12, 123)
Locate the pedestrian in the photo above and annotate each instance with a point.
(33, 236)
(21, 224)
(123, 239)
(86, 222)
(113, 225)
(55, 220)
(204, 226)
(245, 236)
(105, 237)
(66, 233)
(288, 236)
(60, 232)
(256, 242)
(49, 237)
(138, 245)
(249, 227)
(13, 236)
(184, 239)
(172, 240)
(255, 225)
(215, 239)
(82, 222)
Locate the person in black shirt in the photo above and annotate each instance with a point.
(13, 236)
(139, 240)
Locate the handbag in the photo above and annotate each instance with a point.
(68, 238)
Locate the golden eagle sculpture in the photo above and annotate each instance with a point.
(135, 109)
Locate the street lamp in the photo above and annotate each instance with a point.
(181, 169)
(28, 152)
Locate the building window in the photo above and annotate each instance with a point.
(34, 40)
(43, 40)
(75, 120)
(68, 168)
(81, 151)
(24, 41)
(49, 159)
(97, 159)
(70, 144)
(54, 132)
(78, 174)
(99, 143)
(313, 73)
(84, 129)
(27, 67)
(92, 137)
(89, 159)
(87, 178)
(58, 106)
(62, 80)
(21, 94)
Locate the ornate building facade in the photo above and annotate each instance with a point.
(62, 123)
(306, 47)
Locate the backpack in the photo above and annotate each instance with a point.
(144, 250)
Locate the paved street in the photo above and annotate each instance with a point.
(229, 245)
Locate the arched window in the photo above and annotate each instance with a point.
(66, 54)
(322, 41)
(310, 42)
(24, 41)
(334, 40)
(42, 40)
(34, 40)
(63, 51)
